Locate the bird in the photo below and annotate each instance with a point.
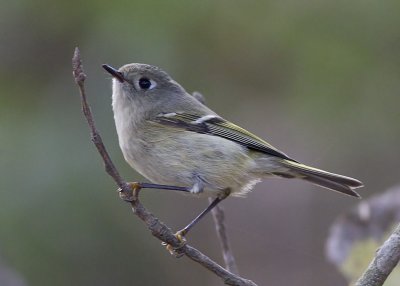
(178, 143)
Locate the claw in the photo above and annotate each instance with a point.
(135, 186)
(129, 197)
(180, 235)
(175, 250)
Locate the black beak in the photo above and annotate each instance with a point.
(115, 73)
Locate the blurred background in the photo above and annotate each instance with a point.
(317, 79)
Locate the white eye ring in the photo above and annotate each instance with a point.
(145, 83)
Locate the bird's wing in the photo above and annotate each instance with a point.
(217, 126)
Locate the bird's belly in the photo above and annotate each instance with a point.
(183, 159)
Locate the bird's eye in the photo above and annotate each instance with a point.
(145, 83)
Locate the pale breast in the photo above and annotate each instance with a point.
(179, 157)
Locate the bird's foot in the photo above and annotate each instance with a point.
(176, 250)
(129, 196)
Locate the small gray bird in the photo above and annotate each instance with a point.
(174, 140)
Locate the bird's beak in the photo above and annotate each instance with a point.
(115, 73)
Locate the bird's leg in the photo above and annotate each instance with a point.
(197, 188)
(136, 186)
(161, 187)
(180, 235)
(212, 205)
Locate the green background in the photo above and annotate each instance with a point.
(317, 79)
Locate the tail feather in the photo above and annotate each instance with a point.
(332, 185)
(335, 182)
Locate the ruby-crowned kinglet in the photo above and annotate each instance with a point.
(171, 138)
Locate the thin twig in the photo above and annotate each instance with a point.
(156, 227)
(385, 260)
(80, 77)
(219, 220)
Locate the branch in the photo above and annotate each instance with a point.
(156, 227)
(219, 217)
(385, 260)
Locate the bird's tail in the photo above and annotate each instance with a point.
(331, 181)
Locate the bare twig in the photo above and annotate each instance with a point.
(219, 220)
(385, 260)
(80, 77)
(156, 227)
